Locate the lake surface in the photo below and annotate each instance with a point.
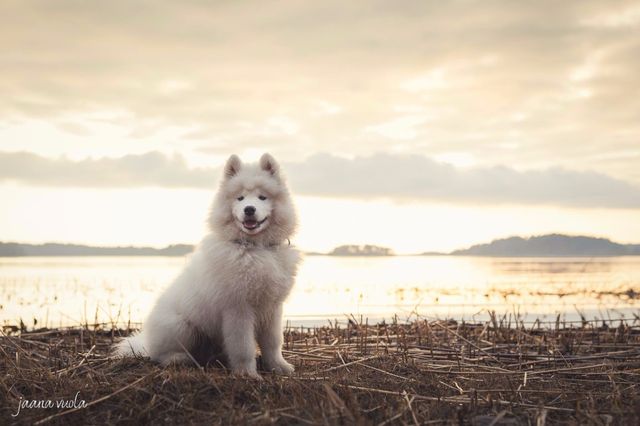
(73, 290)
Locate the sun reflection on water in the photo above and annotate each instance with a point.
(67, 291)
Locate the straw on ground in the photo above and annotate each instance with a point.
(422, 372)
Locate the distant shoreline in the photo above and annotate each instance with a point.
(544, 246)
(568, 256)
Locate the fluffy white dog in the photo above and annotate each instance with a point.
(230, 293)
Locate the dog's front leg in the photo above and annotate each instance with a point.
(239, 342)
(270, 340)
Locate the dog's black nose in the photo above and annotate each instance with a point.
(249, 210)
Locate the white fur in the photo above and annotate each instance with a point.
(230, 293)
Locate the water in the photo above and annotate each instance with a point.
(72, 290)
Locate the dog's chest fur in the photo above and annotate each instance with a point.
(262, 275)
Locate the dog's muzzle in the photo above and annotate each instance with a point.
(252, 224)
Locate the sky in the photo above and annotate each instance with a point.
(418, 125)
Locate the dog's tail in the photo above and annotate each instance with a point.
(131, 346)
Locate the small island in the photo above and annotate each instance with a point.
(361, 250)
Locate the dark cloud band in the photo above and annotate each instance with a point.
(400, 177)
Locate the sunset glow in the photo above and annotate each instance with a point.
(457, 124)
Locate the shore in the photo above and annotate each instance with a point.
(423, 372)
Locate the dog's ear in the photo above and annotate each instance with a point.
(269, 164)
(232, 167)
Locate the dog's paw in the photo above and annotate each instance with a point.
(247, 373)
(174, 359)
(280, 367)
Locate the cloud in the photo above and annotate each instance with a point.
(150, 169)
(399, 177)
(412, 177)
(227, 68)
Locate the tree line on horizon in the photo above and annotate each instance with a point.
(551, 245)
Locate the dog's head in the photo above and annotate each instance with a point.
(253, 202)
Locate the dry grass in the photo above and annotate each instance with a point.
(438, 372)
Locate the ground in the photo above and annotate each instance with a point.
(501, 372)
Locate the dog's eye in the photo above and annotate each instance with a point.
(240, 198)
(262, 197)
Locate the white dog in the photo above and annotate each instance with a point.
(230, 293)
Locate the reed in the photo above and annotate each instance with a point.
(499, 372)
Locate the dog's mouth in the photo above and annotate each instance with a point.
(253, 224)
